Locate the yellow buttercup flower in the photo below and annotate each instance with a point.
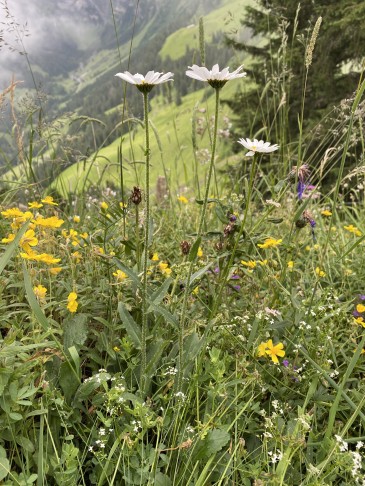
(326, 213)
(12, 213)
(200, 252)
(182, 199)
(49, 200)
(35, 205)
(250, 264)
(360, 321)
(76, 219)
(274, 351)
(320, 273)
(164, 268)
(352, 229)
(155, 257)
(29, 239)
(72, 302)
(290, 265)
(270, 243)
(8, 239)
(40, 292)
(119, 275)
(55, 270)
(52, 222)
(261, 350)
(360, 308)
(104, 205)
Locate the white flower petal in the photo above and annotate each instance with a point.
(126, 76)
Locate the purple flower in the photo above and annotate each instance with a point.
(237, 287)
(232, 218)
(362, 297)
(235, 277)
(285, 363)
(301, 187)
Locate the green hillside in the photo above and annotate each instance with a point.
(171, 131)
(226, 18)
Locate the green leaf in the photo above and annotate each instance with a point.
(158, 309)
(160, 293)
(130, 325)
(132, 275)
(69, 380)
(212, 443)
(194, 249)
(200, 273)
(8, 253)
(162, 480)
(75, 331)
(4, 467)
(33, 302)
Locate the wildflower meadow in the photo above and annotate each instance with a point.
(206, 331)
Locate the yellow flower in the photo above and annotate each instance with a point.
(49, 200)
(35, 205)
(123, 205)
(55, 270)
(76, 255)
(29, 239)
(291, 265)
(119, 275)
(360, 308)
(261, 350)
(99, 250)
(116, 349)
(12, 213)
(360, 321)
(76, 219)
(40, 292)
(320, 273)
(40, 257)
(352, 229)
(326, 212)
(274, 351)
(316, 246)
(250, 264)
(52, 222)
(269, 243)
(72, 302)
(164, 268)
(104, 205)
(84, 235)
(348, 272)
(182, 199)
(263, 263)
(200, 252)
(155, 257)
(196, 290)
(8, 239)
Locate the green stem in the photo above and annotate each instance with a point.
(193, 260)
(240, 233)
(145, 264)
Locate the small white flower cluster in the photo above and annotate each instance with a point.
(304, 326)
(171, 370)
(137, 426)
(343, 445)
(100, 377)
(275, 456)
(180, 396)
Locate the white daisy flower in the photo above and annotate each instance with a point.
(257, 146)
(214, 77)
(145, 83)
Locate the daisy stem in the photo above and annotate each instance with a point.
(144, 329)
(196, 245)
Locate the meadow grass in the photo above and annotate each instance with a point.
(216, 337)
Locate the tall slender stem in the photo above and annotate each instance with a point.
(240, 233)
(200, 231)
(145, 259)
